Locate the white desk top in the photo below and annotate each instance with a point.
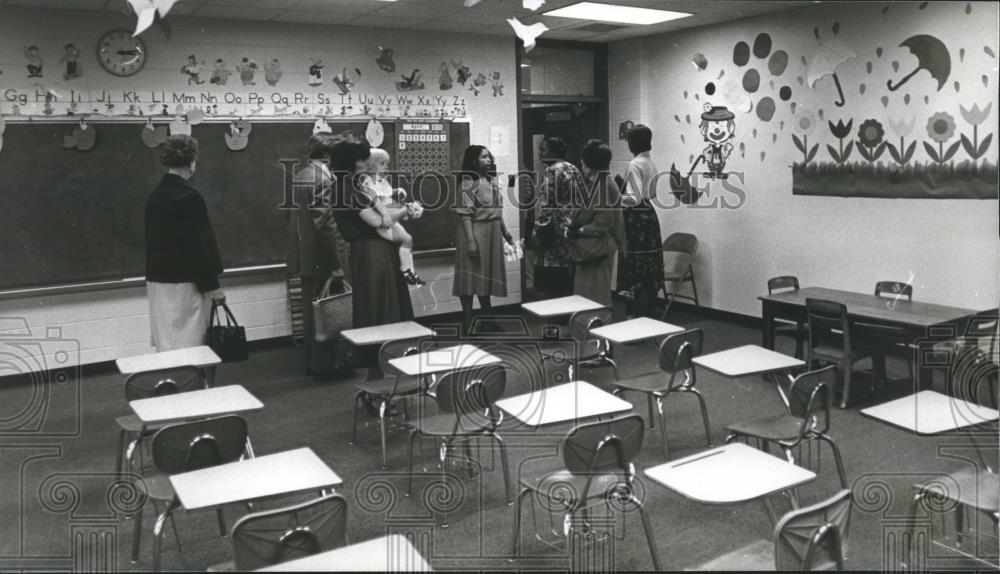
(199, 404)
(571, 401)
(560, 306)
(746, 361)
(198, 356)
(729, 474)
(383, 333)
(393, 553)
(442, 360)
(286, 472)
(635, 330)
(931, 412)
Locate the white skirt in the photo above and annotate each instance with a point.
(178, 315)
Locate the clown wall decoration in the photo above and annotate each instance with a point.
(718, 125)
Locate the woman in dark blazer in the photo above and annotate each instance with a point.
(182, 257)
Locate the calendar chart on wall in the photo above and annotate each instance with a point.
(428, 153)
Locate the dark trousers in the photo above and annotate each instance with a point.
(320, 357)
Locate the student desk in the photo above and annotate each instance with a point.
(193, 405)
(392, 553)
(931, 412)
(912, 321)
(573, 401)
(749, 360)
(201, 356)
(230, 399)
(283, 473)
(638, 329)
(730, 474)
(443, 360)
(562, 306)
(384, 333)
(380, 334)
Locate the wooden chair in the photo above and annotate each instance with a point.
(676, 352)
(831, 340)
(807, 419)
(885, 339)
(797, 331)
(679, 250)
(597, 459)
(810, 538)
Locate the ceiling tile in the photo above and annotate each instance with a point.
(487, 17)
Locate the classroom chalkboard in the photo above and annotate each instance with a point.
(74, 216)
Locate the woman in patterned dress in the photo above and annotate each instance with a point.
(641, 270)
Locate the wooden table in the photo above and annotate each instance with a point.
(392, 553)
(750, 360)
(384, 333)
(931, 412)
(637, 329)
(230, 399)
(283, 473)
(573, 401)
(731, 474)
(560, 306)
(913, 321)
(201, 356)
(443, 360)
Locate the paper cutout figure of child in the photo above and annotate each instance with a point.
(385, 61)
(70, 62)
(193, 70)
(272, 72)
(380, 191)
(316, 72)
(497, 85)
(444, 80)
(247, 68)
(35, 62)
(220, 73)
(462, 71)
(718, 125)
(478, 83)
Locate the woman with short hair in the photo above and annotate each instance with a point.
(640, 271)
(596, 231)
(182, 256)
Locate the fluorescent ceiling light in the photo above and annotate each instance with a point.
(617, 14)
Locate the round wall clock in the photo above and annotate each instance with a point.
(121, 54)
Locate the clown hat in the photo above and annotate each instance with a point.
(717, 113)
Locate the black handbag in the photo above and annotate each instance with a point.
(229, 341)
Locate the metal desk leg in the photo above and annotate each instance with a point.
(781, 391)
(767, 329)
(210, 376)
(158, 534)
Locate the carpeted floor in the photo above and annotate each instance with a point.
(57, 495)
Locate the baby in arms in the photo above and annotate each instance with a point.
(382, 194)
